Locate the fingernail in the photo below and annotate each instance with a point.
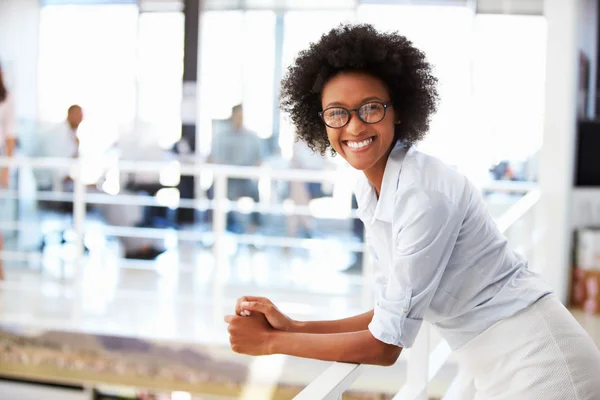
(247, 313)
(245, 304)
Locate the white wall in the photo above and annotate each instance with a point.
(19, 38)
(588, 43)
(558, 150)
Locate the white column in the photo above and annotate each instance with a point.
(557, 154)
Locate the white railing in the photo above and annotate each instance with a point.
(518, 225)
(332, 383)
(220, 204)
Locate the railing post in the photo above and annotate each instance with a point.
(417, 375)
(219, 226)
(418, 364)
(79, 211)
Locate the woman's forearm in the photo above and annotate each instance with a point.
(356, 323)
(353, 324)
(352, 347)
(11, 143)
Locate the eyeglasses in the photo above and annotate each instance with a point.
(369, 113)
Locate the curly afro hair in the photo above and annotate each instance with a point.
(389, 57)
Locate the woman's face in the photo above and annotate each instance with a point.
(364, 146)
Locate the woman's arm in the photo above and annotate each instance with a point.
(254, 336)
(11, 143)
(249, 305)
(356, 323)
(353, 347)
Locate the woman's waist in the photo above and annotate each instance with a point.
(472, 317)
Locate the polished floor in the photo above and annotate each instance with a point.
(173, 299)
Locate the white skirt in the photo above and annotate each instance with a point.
(539, 353)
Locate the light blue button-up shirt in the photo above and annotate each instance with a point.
(438, 254)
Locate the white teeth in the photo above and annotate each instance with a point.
(360, 145)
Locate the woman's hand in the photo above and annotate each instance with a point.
(250, 335)
(250, 305)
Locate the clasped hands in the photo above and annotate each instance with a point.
(256, 323)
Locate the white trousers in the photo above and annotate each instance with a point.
(539, 353)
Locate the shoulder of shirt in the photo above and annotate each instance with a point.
(423, 173)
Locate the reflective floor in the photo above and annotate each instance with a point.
(166, 301)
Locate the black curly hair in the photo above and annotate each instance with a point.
(389, 57)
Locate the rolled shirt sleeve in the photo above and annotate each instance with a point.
(425, 229)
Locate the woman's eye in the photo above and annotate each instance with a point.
(335, 113)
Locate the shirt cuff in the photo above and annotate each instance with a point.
(394, 329)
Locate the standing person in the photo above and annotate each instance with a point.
(242, 147)
(62, 141)
(7, 142)
(368, 97)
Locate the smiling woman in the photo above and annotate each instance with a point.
(439, 256)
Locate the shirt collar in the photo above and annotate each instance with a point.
(369, 207)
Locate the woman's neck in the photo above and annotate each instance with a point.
(375, 174)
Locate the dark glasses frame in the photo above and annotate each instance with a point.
(350, 110)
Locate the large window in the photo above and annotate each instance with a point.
(88, 56)
(236, 67)
(160, 74)
(124, 68)
(509, 62)
(490, 70)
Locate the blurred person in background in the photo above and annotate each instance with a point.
(62, 142)
(7, 141)
(241, 147)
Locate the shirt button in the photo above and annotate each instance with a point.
(405, 311)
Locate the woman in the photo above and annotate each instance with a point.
(7, 138)
(368, 97)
